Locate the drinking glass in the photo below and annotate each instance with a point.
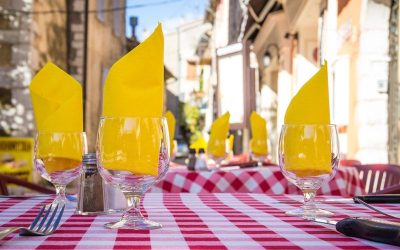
(58, 159)
(309, 157)
(213, 152)
(133, 155)
(260, 158)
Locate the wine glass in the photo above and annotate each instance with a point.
(217, 152)
(260, 157)
(58, 159)
(133, 154)
(309, 157)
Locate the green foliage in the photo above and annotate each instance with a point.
(194, 121)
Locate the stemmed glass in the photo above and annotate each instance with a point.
(260, 158)
(217, 151)
(133, 154)
(309, 157)
(58, 159)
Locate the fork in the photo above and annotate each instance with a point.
(38, 227)
(374, 208)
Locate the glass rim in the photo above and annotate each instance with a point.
(59, 132)
(308, 124)
(130, 117)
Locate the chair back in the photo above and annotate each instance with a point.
(8, 179)
(377, 177)
(395, 189)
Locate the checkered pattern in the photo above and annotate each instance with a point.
(194, 221)
(268, 180)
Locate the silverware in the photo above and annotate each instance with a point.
(356, 199)
(329, 200)
(366, 228)
(388, 199)
(41, 226)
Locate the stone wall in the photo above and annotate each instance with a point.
(16, 116)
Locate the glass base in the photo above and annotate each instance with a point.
(309, 213)
(141, 224)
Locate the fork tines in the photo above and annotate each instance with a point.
(39, 221)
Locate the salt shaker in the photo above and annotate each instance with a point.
(201, 160)
(90, 195)
(95, 195)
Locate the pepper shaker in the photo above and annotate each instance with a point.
(91, 194)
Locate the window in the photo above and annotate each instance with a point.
(191, 71)
(100, 10)
(104, 74)
(4, 22)
(5, 54)
(117, 17)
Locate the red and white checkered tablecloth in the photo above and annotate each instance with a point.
(268, 180)
(194, 221)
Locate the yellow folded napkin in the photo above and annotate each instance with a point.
(231, 139)
(219, 132)
(198, 144)
(134, 88)
(309, 156)
(258, 143)
(57, 105)
(171, 129)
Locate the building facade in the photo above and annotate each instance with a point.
(291, 39)
(106, 44)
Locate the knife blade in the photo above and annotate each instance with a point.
(377, 230)
(382, 198)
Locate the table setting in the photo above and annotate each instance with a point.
(130, 198)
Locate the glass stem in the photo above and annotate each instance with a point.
(133, 206)
(60, 193)
(309, 199)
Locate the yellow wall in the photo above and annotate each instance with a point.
(104, 48)
(350, 47)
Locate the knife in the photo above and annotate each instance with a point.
(366, 228)
(382, 198)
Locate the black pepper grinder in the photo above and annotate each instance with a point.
(192, 159)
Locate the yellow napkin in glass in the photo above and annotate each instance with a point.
(134, 88)
(171, 129)
(310, 106)
(231, 139)
(198, 144)
(57, 105)
(258, 143)
(219, 132)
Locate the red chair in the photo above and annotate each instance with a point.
(377, 177)
(349, 162)
(8, 179)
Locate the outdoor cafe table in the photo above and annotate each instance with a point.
(194, 221)
(267, 180)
